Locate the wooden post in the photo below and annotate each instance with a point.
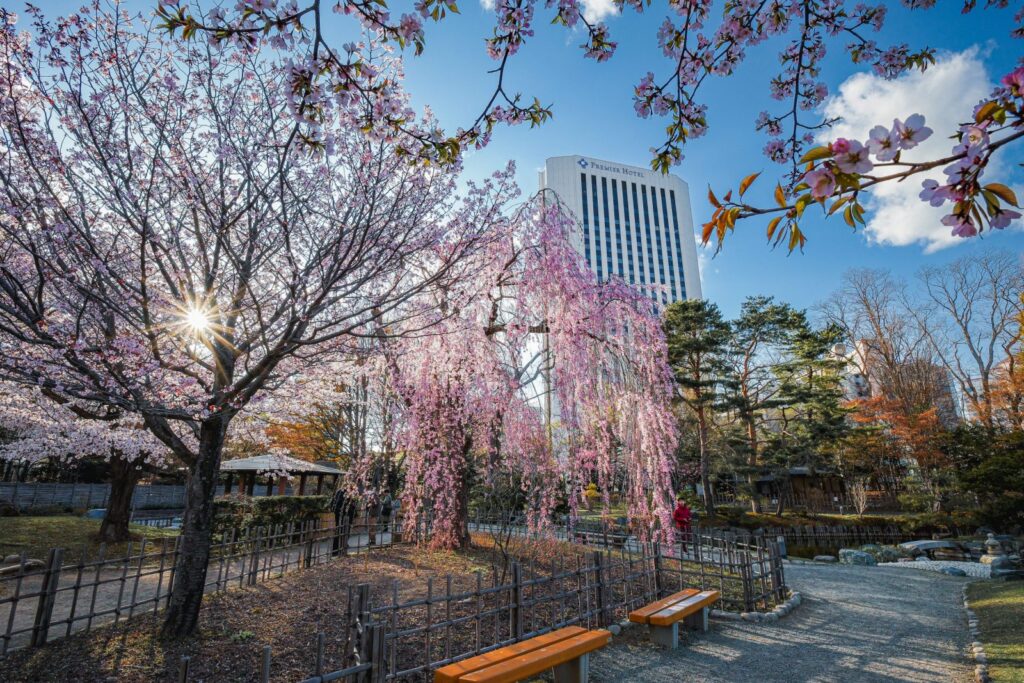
(515, 609)
(310, 530)
(254, 557)
(656, 550)
(302, 484)
(599, 589)
(265, 665)
(748, 601)
(183, 666)
(282, 486)
(47, 596)
(251, 481)
(228, 484)
(364, 635)
(378, 671)
(319, 484)
(321, 642)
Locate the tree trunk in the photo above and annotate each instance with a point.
(123, 477)
(755, 496)
(196, 532)
(781, 505)
(705, 465)
(464, 494)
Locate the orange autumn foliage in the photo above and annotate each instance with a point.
(301, 439)
(916, 432)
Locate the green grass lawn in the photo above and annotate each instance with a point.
(1000, 609)
(36, 535)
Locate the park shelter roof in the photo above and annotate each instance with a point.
(276, 463)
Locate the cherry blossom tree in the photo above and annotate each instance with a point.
(474, 391)
(44, 429)
(700, 40)
(167, 250)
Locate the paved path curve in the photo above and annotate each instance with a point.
(872, 624)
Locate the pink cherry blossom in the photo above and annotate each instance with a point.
(961, 226)
(1002, 218)
(911, 132)
(883, 143)
(821, 181)
(1015, 81)
(934, 193)
(841, 146)
(855, 157)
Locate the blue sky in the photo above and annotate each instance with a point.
(593, 116)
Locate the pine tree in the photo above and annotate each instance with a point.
(811, 418)
(697, 336)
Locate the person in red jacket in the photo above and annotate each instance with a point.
(682, 516)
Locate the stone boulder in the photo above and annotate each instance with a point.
(1004, 568)
(858, 557)
(953, 571)
(824, 558)
(15, 569)
(882, 553)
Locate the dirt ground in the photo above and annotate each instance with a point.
(285, 614)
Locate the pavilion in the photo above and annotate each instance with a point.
(279, 468)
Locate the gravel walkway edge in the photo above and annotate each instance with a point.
(977, 647)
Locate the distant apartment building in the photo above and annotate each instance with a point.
(635, 224)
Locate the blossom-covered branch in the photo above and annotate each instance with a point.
(838, 175)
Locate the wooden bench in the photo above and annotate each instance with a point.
(566, 650)
(663, 616)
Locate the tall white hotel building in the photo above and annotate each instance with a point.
(635, 224)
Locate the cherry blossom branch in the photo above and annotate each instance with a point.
(844, 169)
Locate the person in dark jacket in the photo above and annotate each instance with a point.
(682, 516)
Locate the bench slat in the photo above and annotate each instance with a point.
(684, 608)
(642, 615)
(538, 661)
(452, 672)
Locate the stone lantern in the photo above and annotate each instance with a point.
(993, 550)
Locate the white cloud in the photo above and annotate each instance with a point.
(596, 10)
(593, 10)
(705, 259)
(944, 94)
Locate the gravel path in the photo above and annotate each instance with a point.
(975, 569)
(855, 624)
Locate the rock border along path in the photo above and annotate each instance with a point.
(867, 624)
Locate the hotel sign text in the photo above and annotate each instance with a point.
(598, 166)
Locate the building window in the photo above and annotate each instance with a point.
(618, 226)
(647, 236)
(679, 251)
(607, 228)
(629, 234)
(668, 246)
(597, 229)
(636, 229)
(657, 231)
(586, 218)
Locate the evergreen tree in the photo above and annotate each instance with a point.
(751, 389)
(697, 336)
(811, 418)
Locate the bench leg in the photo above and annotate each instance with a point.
(576, 671)
(698, 621)
(666, 636)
